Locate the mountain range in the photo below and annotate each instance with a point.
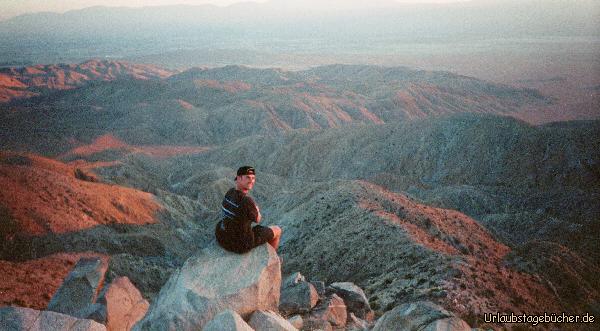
(212, 106)
(460, 19)
(412, 184)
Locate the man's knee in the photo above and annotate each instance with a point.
(276, 230)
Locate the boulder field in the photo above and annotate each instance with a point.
(219, 290)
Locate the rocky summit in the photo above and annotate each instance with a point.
(214, 280)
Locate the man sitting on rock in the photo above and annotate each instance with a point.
(235, 232)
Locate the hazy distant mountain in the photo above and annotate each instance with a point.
(473, 18)
(282, 26)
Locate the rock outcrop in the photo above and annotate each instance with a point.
(310, 305)
(212, 281)
(26, 319)
(123, 305)
(298, 298)
(118, 307)
(420, 315)
(332, 310)
(80, 288)
(317, 324)
(355, 299)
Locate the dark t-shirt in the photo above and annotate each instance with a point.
(235, 232)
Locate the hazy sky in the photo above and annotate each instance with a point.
(10, 8)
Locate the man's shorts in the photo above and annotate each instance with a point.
(262, 234)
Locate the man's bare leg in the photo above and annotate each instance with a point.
(275, 241)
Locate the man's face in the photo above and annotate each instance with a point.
(245, 183)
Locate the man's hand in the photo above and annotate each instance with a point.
(259, 216)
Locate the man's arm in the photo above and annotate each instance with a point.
(252, 211)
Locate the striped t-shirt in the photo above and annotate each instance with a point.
(239, 211)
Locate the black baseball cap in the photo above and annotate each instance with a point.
(245, 170)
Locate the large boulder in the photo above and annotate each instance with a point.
(332, 310)
(212, 281)
(227, 320)
(420, 315)
(80, 288)
(298, 298)
(26, 319)
(264, 320)
(123, 303)
(355, 299)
